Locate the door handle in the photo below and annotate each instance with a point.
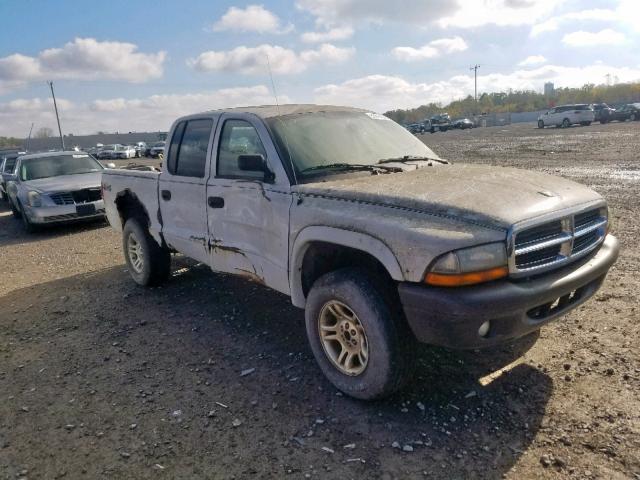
(215, 202)
(166, 194)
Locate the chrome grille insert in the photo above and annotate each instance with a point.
(556, 243)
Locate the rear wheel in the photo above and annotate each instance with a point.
(149, 263)
(633, 117)
(540, 124)
(359, 342)
(566, 123)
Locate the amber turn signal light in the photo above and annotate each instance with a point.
(460, 279)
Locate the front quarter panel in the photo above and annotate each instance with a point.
(404, 241)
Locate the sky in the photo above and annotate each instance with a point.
(136, 65)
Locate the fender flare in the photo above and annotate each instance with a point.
(336, 236)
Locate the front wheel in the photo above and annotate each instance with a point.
(29, 227)
(149, 263)
(633, 117)
(540, 124)
(360, 344)
(566, 123)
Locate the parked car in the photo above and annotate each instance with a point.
(157, 149)
(601, 112)
(462, 124)
(108, 152)
(380, 241)
(124, 152)
(567, 115)
(415, 128)
(440, 123)
(140, 148)
(56, 187)
(8, 160)
(622, 114)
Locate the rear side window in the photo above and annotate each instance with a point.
(174, 146)
(188, 148)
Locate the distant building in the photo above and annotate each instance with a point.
(549, 89)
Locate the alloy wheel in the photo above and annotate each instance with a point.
(343, 338)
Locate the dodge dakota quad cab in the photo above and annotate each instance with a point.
(380, 240)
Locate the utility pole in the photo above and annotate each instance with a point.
(26, 147)
(475, 82)
(55, 106)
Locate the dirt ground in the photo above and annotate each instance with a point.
(210, 376)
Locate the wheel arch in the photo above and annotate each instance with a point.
(130, 206)
(342, 248)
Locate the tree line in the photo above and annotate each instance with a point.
(515, 101)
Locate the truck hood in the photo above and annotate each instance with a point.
(65, 183)
(495, 197)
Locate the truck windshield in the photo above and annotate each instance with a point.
(45, 167)
(312, 140)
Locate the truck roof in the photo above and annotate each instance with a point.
(269, 111)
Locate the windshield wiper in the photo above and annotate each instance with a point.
(410, 158)
(351, 166)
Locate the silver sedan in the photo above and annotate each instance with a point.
(56, 187)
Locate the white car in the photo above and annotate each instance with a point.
(567, 115)
(125, 152)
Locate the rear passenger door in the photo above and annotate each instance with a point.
(183, 185)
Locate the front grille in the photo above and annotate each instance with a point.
(85, 195)
(556, 243)
(62, 198)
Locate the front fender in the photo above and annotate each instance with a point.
(336, 236)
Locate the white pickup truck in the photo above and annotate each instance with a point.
(382, 242)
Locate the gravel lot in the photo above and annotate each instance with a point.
(210, 376)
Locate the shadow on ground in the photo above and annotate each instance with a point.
(103, 378)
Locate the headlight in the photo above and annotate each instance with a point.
(469, 266)
(35, 200)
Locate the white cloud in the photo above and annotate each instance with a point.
(153, 113)
(432, 49)
(594, 39)
(382, 93)
(82, 59)
(595, 14)
(253, 60)
(532, 60)
(254, 18)
(332, 12)
(331, 35)
(446, 13)
(499, 12)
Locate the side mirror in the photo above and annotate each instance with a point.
(111, 165)
(255, 163)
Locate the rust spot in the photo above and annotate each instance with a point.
(252, 276)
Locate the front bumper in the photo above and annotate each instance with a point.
(451, 317)
(62, 213)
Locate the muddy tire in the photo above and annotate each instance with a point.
(540, 124)
(361, 345)
(149, 263)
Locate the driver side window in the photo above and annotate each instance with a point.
(238, 137)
